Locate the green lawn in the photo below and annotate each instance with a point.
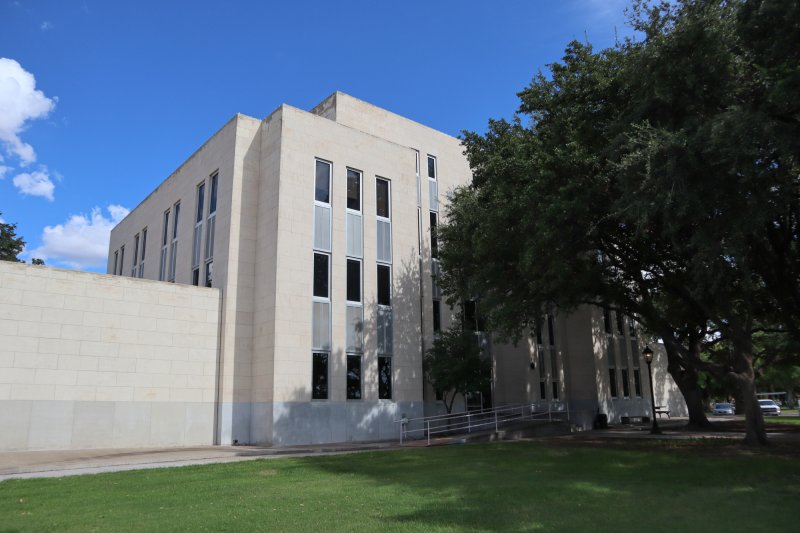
(679, 486)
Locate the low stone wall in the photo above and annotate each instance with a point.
(95, 361)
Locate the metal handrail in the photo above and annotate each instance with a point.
(483, 418)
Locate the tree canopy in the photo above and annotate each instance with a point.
(659, 177)
(10, 245)
(454, 366)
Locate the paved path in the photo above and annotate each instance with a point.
(76, 462)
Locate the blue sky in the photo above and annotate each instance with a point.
(101, 100)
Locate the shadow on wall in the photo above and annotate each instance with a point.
(352, 413)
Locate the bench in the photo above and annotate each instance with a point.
(661, 410)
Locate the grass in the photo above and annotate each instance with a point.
(553, 485)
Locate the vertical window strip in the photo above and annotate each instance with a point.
(162, 272)
(121, 260)
(144, 249)
(135, 255)
(173, 248)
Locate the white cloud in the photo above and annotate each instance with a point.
(46, 25)
(3, 170)
(2, 220)
(20, 102)
(81, 242)
(35, 184)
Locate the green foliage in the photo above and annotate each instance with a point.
(454, 366)
(10, 245)
(559, 486)
(660, 177)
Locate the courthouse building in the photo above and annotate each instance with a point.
(308, 236)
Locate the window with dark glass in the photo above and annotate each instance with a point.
(322, 184)
(607, 320)
(437, 316)
(353, 190)
(382, 197)
(201, 196)
(539, 334)
(626, 388)
(434, 238)
(319, 376)
(469, 315)
(385, 378)
(212, 201)
(612, 381)
(542, 390)
(321, 275)
(384, 285)
(432, 167)
(637, 384)
(620, 324)
(631, 327)
(551, 332)
(353, 377)
(353, 280)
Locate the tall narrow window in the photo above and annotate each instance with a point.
(382, 198)
(555, 376)
(433, 187)
(116, 262)
(173, 248)
(541, 360)
(353, 280)
(319, 376)
(135, 255)
(121, 260)
(353, 190)
(353, 377)
(321, 276)
(197, 237)
(384, 285)
(384, 378)
(144, 249)
(322, 182)
(354, 248)
(162, 271)
(210, 227)
(434, 238)
(437, 316)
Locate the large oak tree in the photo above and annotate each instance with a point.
(659, 177)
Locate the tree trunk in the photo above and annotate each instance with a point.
(744, 376)
(686, 379)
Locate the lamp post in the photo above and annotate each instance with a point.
(648, 357)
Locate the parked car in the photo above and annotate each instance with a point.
(769, 407)
(723, 409)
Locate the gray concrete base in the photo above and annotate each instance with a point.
(314, 422)
(63, 425)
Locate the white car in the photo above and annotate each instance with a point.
(769, 407)
(723, 409)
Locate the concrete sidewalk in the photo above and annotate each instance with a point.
(31, 464)
(76, 462)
